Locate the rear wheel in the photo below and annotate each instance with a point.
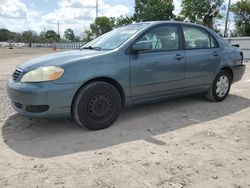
(220, 88)
(97, 105)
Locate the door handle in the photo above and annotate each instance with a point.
(215, 54)
(179, 56)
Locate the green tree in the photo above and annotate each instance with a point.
(88, 35)
(18, 37)
(5, 35)
(242, 17)
(121, 21)
(180, 18)
(102, 25)
(52, 36)
(69, 34)
(77, 39)
(150, 10)
(43, 37)
(30, 36)
(113, 21)
(204, 12)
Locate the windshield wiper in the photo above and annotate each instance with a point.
(91, 48)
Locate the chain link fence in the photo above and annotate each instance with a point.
(66, 45)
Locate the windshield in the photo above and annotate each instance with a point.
(114, 38)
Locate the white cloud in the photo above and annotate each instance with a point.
(177, 6)
(76, 4)
(112, 11)
(13, 15)
(13, 9)
(78, 14)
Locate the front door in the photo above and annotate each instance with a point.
(158, 71)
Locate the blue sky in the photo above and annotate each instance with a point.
(47, 6)
(40, 15)
(41, 5)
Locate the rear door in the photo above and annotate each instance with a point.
(203, 57)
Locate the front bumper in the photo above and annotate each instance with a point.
(45, 99)
(238, 72)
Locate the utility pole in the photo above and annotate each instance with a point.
(226, 24)
(96, 8)
(58, 27)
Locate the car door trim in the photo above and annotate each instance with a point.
(158, 82)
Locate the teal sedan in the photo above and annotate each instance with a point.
(134, 64)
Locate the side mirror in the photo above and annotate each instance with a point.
(236, 45)
(142, 46)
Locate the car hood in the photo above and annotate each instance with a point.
(59, 59)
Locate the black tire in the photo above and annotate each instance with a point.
(213, 94)
(96, 106)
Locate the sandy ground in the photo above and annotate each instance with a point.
(188, 142)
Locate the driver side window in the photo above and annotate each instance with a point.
(161, 38)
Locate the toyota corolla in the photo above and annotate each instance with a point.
(134, 64)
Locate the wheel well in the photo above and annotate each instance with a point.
(107, 80)
(229, 71)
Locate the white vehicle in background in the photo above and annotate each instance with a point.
(18, 44)
(4, 44)
(12, 44)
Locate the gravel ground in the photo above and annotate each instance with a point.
(188, 142)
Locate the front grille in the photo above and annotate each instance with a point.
(16, 75)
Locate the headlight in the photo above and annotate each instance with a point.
(43, 74)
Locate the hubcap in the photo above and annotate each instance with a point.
(100, 107)
(222, 86)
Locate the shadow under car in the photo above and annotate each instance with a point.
(46, 138)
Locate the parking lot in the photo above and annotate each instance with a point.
(186, 142)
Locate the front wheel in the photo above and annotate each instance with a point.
(220, 88)
(96, 106)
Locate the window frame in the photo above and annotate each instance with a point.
(129, 50)
(202, 29)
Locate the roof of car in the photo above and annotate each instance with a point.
(170, 21)
(173, 22)
(153, 23)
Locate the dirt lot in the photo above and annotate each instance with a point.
(188, 142)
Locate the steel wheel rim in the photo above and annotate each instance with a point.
(100, 107)
(222, 86)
